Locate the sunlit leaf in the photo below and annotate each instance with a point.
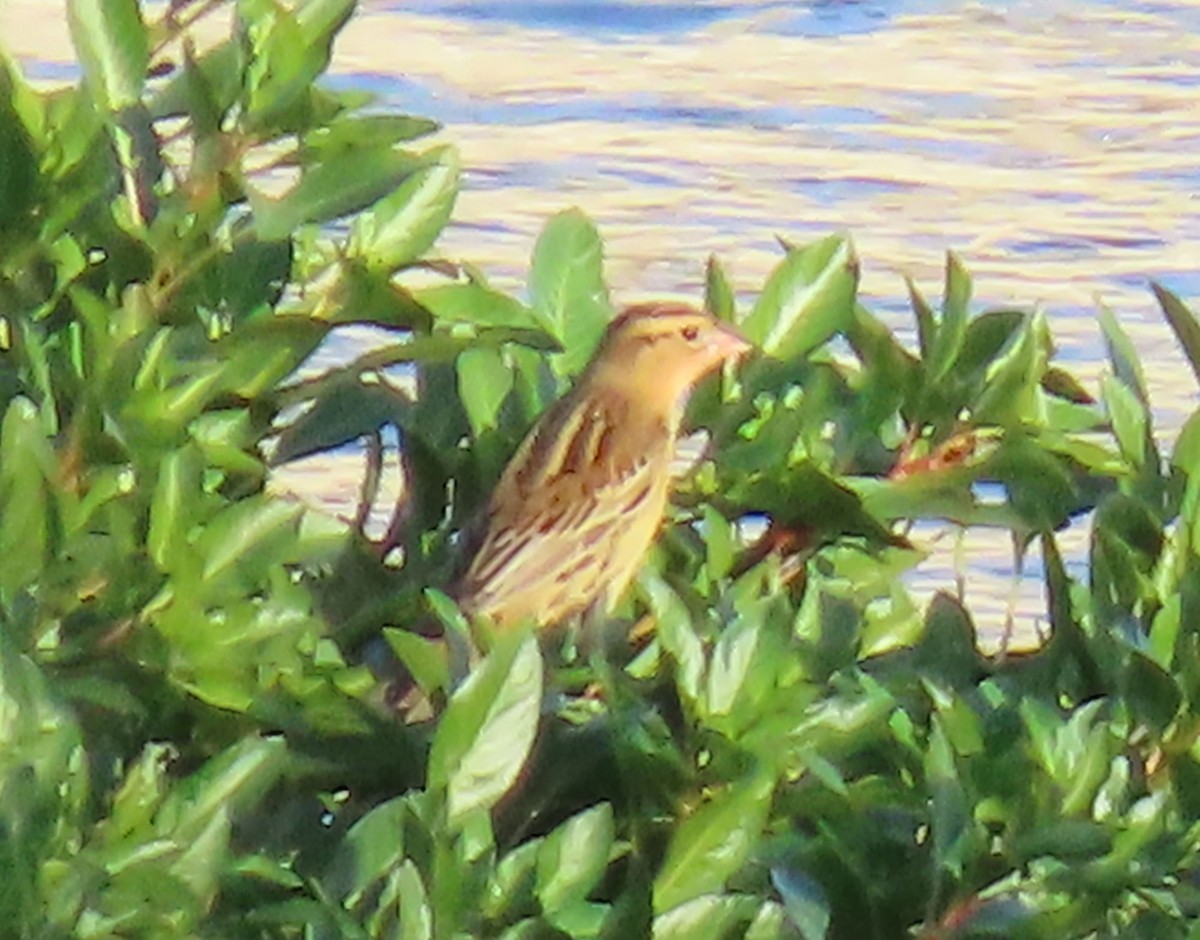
(485, 735)
(713, 843)
(400, 228)
(173, 510)
(1130, 420)
(288, 53)
(476, 304)
(1127, 365)
(1013, 376)
(677, 635)
(952, 328)
(1183, 321)
(719, 298)
(352, 133)
(242, 533)
(573, 857)
(328, 191)
(372, 847)
(484, 381)
(567, 288)
(732, 657)
(207, 85)
(25, 506)
(114, 48)
(236, 777)
(807, 299)
(708, 917)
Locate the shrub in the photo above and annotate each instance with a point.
(190, 742)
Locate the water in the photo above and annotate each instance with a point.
(1054, 145)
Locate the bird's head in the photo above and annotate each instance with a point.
(659, 351)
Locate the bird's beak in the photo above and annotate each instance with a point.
(727, 344)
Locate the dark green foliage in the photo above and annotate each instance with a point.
(190, 742)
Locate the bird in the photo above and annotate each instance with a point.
(579, 504)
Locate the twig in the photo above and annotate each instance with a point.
(371, 479)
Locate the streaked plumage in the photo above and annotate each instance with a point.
(580, 502)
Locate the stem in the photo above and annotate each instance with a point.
(370, 485)
(395, 530)
(177, 25)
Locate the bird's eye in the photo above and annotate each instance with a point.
(690, 333)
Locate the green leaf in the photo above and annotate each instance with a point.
(476, 304)
(1127, 366)
(772, 922)
(1184, 460)
(403, 226)
(580, 918)
(140, 794)
(1062, 384)
(363, 296)
(572, 858)
(416, 914)
(344, 410)
(488, 728)
(1073, 839)
(732, 659)
(1130, 420)
(952, 329)
(899, 627)
(1153, 693)
(205, 88)
(807, 299)
(719, 544)
(567, 289)
(987, 335)
(44, 782)
(708, 917)
(1039, 487)
(1013, 377)
(1131, 521)
(287, 53)
(330, 190)
(425, 659)
(1183, 321)
(238, 777)
(484, 381)
(373, 846)
(947, 652)
(676, 634)
(510, 887)
(113, 46)
(228, 439)
(890, 372)
(719, 299)
(173, 508)
(20, 184)
(245, 540)
(26, 465)
(253, 275)
(949, 812)
(358, 131)
(712, 844)
(202, 862)
(927, 327)
(1164, 632)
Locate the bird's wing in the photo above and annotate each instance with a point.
(555, 528)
